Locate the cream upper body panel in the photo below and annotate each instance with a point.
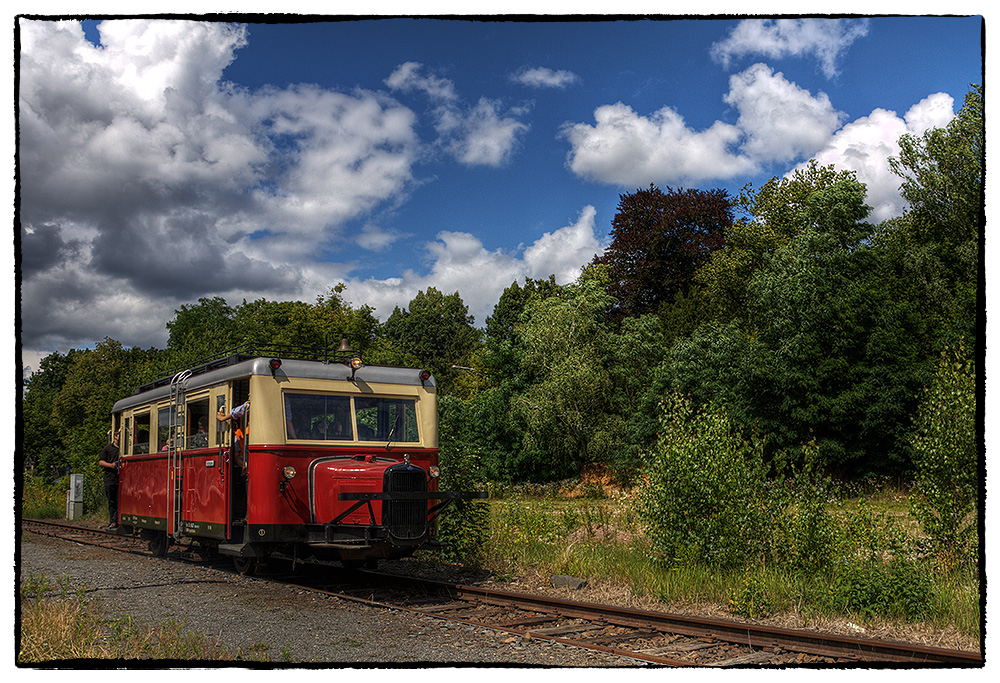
(268, 418)
(269, 387)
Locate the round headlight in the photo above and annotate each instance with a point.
(434, 471)
(288, 472)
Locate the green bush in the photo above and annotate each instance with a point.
(464, 529)
(465, 526)
(43, 500)
(706, 498)
(946, 458)
(807, 534)
(900, 587)
(751, 598)
(880, 572)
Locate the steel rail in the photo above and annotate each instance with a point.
(737, 633)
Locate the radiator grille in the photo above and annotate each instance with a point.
(405, 519)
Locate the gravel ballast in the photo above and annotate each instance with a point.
(284, 625)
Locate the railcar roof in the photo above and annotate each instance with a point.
(290, 368)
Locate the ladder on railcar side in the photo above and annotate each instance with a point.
(178, 431)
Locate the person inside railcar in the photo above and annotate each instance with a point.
(237, 418)
(289, 424)
(335, 430)
(200, 437)
(235, 415)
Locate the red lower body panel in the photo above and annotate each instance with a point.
(142, 491)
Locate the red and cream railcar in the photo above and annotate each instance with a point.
(323, 460)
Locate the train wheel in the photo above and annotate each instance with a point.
(247, 566)
(159, 543)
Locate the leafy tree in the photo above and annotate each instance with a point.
(558, 385)
(813, 309)
(95, 380)
(768, 219)
(937, 242)
(200, 330)
(491, 425)
(212, 326)
(564, 406)
(436, 330)
(715, 365)
(312, 326)
(500, 327)
(288, 323)
(40, 441)
(659, 239)
(820, 349)
(942, 173)
(634, 352)
(464, 467)
(336, 319)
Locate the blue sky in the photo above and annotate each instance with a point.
(164, 161)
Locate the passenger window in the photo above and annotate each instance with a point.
(141, 434)
(197, 426)
(220, 406)
(387, 419)
(163, 428)
(318, 417)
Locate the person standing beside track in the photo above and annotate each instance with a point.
(110, 461)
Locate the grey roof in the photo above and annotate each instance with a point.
(306, 369)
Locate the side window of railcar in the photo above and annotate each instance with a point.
(126, 444)
(220, 406)
(141, 433)
(163, 427)
(387, 419)
(197, 423)
(320, 417)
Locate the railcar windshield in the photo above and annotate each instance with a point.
(387, 419)
(318, 417)
(324, 417)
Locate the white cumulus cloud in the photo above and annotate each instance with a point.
(148, 181)
(460, 262)
(777, 122)
(478, 135)
(481, 136)
(544, 77)
(865, 145)
(825, 40)
(413, 76)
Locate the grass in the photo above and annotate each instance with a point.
(601, 539)
(59, 623)
(40, 500)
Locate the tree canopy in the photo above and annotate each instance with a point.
(659, 240)
(786, 306)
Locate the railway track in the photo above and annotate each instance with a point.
(651, 638)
